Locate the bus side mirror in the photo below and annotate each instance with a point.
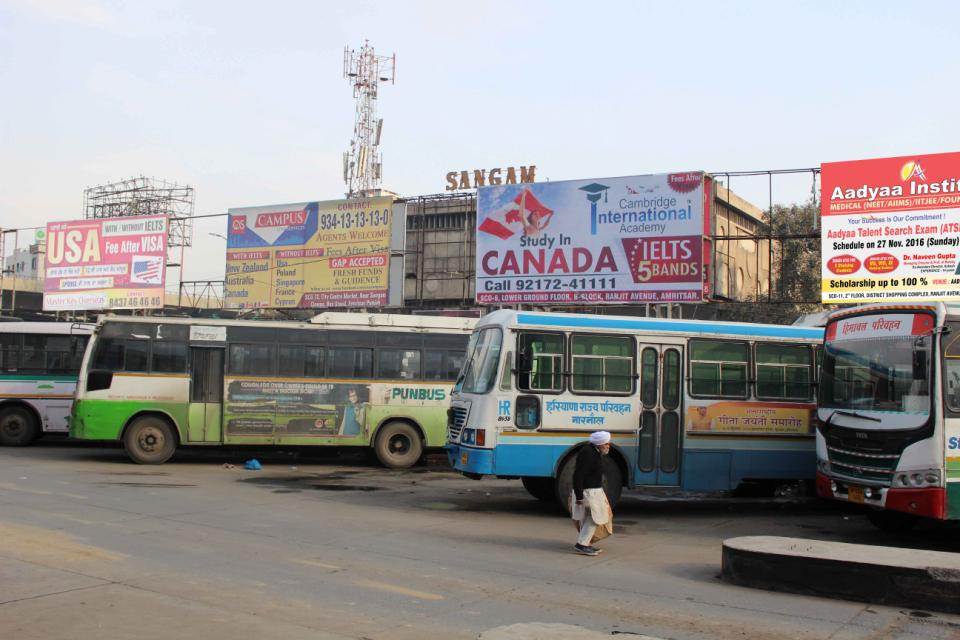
(919, 365)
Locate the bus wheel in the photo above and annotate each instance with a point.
(892, 521)
(539, 488)
(18, 427)
(398, 445)
(612, 481)
(149, 440)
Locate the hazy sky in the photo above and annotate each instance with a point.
(246, 101)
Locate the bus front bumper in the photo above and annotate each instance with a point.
(471, 461)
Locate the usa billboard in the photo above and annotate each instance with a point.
(110, 263)
(309, 255)
(634, 239)
(891, 229)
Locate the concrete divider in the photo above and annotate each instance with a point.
(879, 575)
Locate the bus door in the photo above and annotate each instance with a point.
(206, 394)
(660, 438)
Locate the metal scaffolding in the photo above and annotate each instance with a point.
(142, 196)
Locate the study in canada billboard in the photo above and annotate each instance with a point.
(309, 255)
(891, 229)
(110, 263)
(610, 240)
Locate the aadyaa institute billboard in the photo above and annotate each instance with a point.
(609, 240)
(891, 229)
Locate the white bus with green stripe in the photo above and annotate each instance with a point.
(889, 412)
(39, 365)
(342, 379)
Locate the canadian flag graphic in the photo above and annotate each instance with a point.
(524, 214)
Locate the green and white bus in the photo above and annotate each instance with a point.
(341, 379)
(39, 364)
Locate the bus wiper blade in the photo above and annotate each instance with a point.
(854, 414)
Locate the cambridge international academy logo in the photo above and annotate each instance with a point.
(912, 170)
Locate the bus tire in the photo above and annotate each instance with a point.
(149, 440)
(540, 488)
(18, 427)
(612, 481)
(398, 445)
(892, 521)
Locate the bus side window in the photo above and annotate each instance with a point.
(169, 357)
(602, 364)
(34, 354)
(718, 368)
(351, 362)
(540, 361)
(784, 371)
(253, 359)
(290, 360)
(315, 361)
(398, 364)
(9, 351)
(953, 385)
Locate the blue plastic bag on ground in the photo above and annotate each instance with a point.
(252, 465)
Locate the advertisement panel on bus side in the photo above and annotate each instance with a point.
(309, 255)
(755, 418)
(110, 263)
(277, 407)
(611, 240)
(891, 229)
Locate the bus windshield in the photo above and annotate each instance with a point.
(878, 363)
(480, 368)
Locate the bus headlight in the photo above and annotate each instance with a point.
(917, 479)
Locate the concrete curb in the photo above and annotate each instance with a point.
(879, 575)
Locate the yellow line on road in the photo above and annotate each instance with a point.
(322, 565)
(393, 588)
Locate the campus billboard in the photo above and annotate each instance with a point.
(110, 263)
(634, 239)
(309, 255)
(891, 229)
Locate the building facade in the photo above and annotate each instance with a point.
(440, 255)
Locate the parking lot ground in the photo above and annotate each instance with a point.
(92, 546)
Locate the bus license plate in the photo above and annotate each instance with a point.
(855, 494)
(464, 457)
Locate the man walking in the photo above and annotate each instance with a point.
(589, 507)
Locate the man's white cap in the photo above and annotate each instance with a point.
(600, 437)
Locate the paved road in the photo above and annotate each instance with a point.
(94, 547)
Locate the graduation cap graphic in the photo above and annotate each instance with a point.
(594, 190)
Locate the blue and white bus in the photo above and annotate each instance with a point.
(698, 405)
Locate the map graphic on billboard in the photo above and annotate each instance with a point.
(309, 255)
(612, 240)
(890, 229)
(109, 263)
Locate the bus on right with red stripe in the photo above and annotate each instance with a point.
(888, 433)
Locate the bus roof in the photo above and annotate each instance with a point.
(943, 310)
(332, 320)
(516, 319)
(58, 328)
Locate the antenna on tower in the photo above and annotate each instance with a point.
(363, 164)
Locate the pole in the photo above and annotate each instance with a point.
(13, 296)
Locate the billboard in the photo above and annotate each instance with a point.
(309, 255)
(891, 229)
(612, 240)
(110, 263)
